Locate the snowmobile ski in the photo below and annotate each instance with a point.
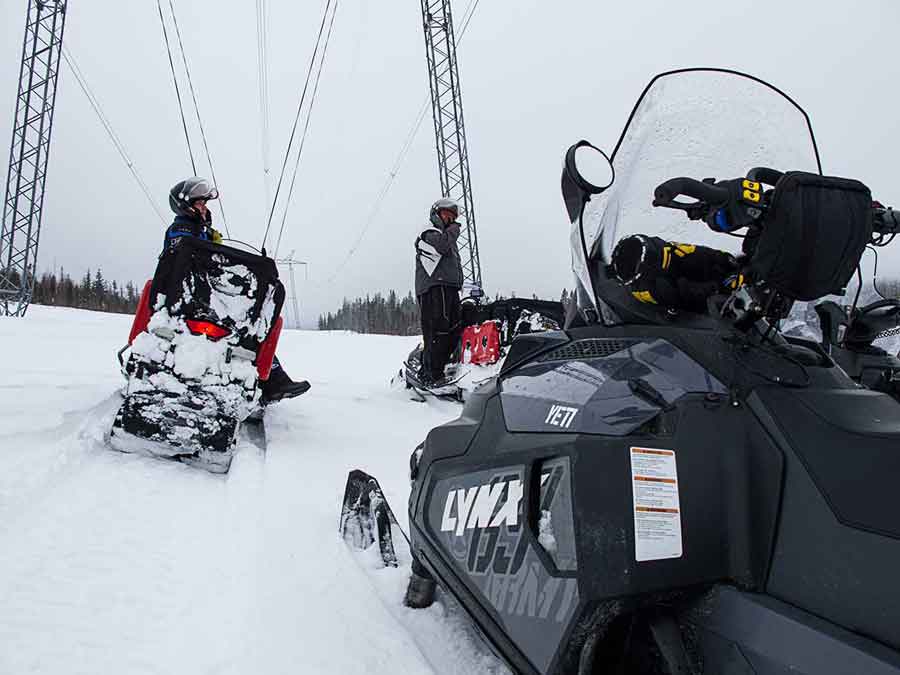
(254, 430)
(447, 388)
(366, 518)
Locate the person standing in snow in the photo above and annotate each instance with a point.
(439, 278)
(187, 200)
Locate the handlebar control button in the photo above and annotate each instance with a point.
(751, 196)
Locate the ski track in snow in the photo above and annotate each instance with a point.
(113, 563)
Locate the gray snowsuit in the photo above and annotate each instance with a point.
(439, 278)
(437, 257)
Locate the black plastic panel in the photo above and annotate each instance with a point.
(819, 564)
(587, 349)
(611, 395)
(850, 443)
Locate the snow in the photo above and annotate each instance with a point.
(126, 564)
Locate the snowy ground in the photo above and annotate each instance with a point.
(113, 563)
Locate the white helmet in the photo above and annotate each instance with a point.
(445, 203)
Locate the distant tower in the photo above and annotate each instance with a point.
(449, 130)
(295, 305)
(28, 154)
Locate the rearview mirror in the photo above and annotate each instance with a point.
(592, 168)
(586, 171)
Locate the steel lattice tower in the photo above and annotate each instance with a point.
(449, 129)
(28, 154)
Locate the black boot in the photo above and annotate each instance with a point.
(279, 386)
(419, 592)
(421, 587)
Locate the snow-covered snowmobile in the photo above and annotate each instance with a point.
(202, 340)
(485, 334)
(656, 490)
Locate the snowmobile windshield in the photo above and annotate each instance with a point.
(697, 123)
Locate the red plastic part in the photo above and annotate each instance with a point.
(142, 315)
(210, 330)
(480, 344)
(266, 353)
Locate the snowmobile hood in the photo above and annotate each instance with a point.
(699, 123)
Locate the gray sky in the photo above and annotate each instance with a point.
(536, 76)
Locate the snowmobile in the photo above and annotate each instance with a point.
(202, 340)
(849, 334)
(485, 333)
(657, 490)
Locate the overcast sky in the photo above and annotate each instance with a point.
(536, 76)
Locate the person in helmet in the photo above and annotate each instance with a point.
(188, 200)
(439, 278)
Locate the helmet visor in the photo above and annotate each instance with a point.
(200, 190)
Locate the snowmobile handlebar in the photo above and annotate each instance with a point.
(711, 197)
(885, 221)
(708, 196)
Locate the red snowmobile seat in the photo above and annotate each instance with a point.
(266, 353)
(142, 315)
(480, 344)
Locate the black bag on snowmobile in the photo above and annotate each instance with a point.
(191, 271)
(814, 234)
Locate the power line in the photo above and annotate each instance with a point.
(395, 167)
(312, 102)
(287, 152)
(116, 141)
(262, 59)
(187, 71)
(162, 22)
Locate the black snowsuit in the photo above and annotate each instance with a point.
(438, 281)
(439, 308)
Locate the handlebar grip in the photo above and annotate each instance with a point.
(886, 221)
(666, 192)
(762, 174)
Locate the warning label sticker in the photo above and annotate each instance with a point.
(657, 512)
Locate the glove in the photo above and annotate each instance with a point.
(215, 236)
(745, 206)
(734, 282)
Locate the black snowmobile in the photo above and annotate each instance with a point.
(484, 334)
(203, 339)
(657, 490)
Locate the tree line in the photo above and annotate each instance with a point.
(386, 315)
(92, 291)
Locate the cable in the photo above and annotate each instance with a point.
(312, 102)
(875, 274)
(287, 152)
(116, 141)
(859, 286)
(262, 59)
(187, 137)
(187, 71)
(395, 167)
